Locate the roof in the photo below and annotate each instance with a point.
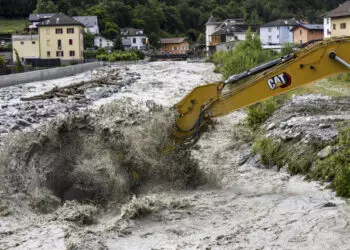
(88, 21)
(25, 37)
(342, 10)
(60, 19)
(174, 40)
(228, 29)
(281, 22)
(132, 32)
(211, 20)
(310, 26)
(40, 16)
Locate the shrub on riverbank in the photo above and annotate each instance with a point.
(129, 55)
(302, 159)
(246, 55)
(336, 168)
(258, 113)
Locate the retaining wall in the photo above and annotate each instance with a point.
(46, 74)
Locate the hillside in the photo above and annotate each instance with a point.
(171, 17)
(12, 25)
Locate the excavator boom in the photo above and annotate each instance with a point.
(314, 62)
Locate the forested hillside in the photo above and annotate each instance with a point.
(171, 17)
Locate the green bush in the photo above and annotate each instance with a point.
(2, 62)
(299, 159)
(101, 51)
(246, 55)
(102, 57)
(287, 49)
(336, 168)
(258, 113)
(130, 55)
(90, 54)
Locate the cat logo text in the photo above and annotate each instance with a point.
(280, 81)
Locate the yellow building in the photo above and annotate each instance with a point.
(27, 46)
(61, 37)
(340, 20)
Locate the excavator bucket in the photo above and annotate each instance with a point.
(191, 111)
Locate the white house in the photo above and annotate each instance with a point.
(133, 39)
(90, 23)
(102, 42)
(222, 36)
(275, 34)
(327, 22)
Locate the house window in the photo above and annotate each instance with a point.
(70, 30)
(100, 40)
(59, 31)
(59, 53)
(334, 26)
(33, 42)
(134, 40)
(143, 40)
(72, 53)
(278, 36)
(59, 44)
(343, 26)
(175, 48)
(70, 41)
(269, 29)
(270, 38)
(301, 31)
(48, 53)
(22, 43)
(327, 20)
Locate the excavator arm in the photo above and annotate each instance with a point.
(314, 62)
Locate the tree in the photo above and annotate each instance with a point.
(2, 62)
(118, 45)
(89, 40)
(19, 65)
(45, 6)
(153, 40)
(111, 30)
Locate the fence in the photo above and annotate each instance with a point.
(46, 74)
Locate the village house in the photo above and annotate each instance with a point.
(90, 22)
(326, 27)
(27, 47)
(175, 46)
(222, 36)
(133, 39)
(60, 37)
(35, 19)
(339, 20)
(105, 43)
(275, 34)
(304, 33)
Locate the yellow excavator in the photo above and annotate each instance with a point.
(315, 61)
